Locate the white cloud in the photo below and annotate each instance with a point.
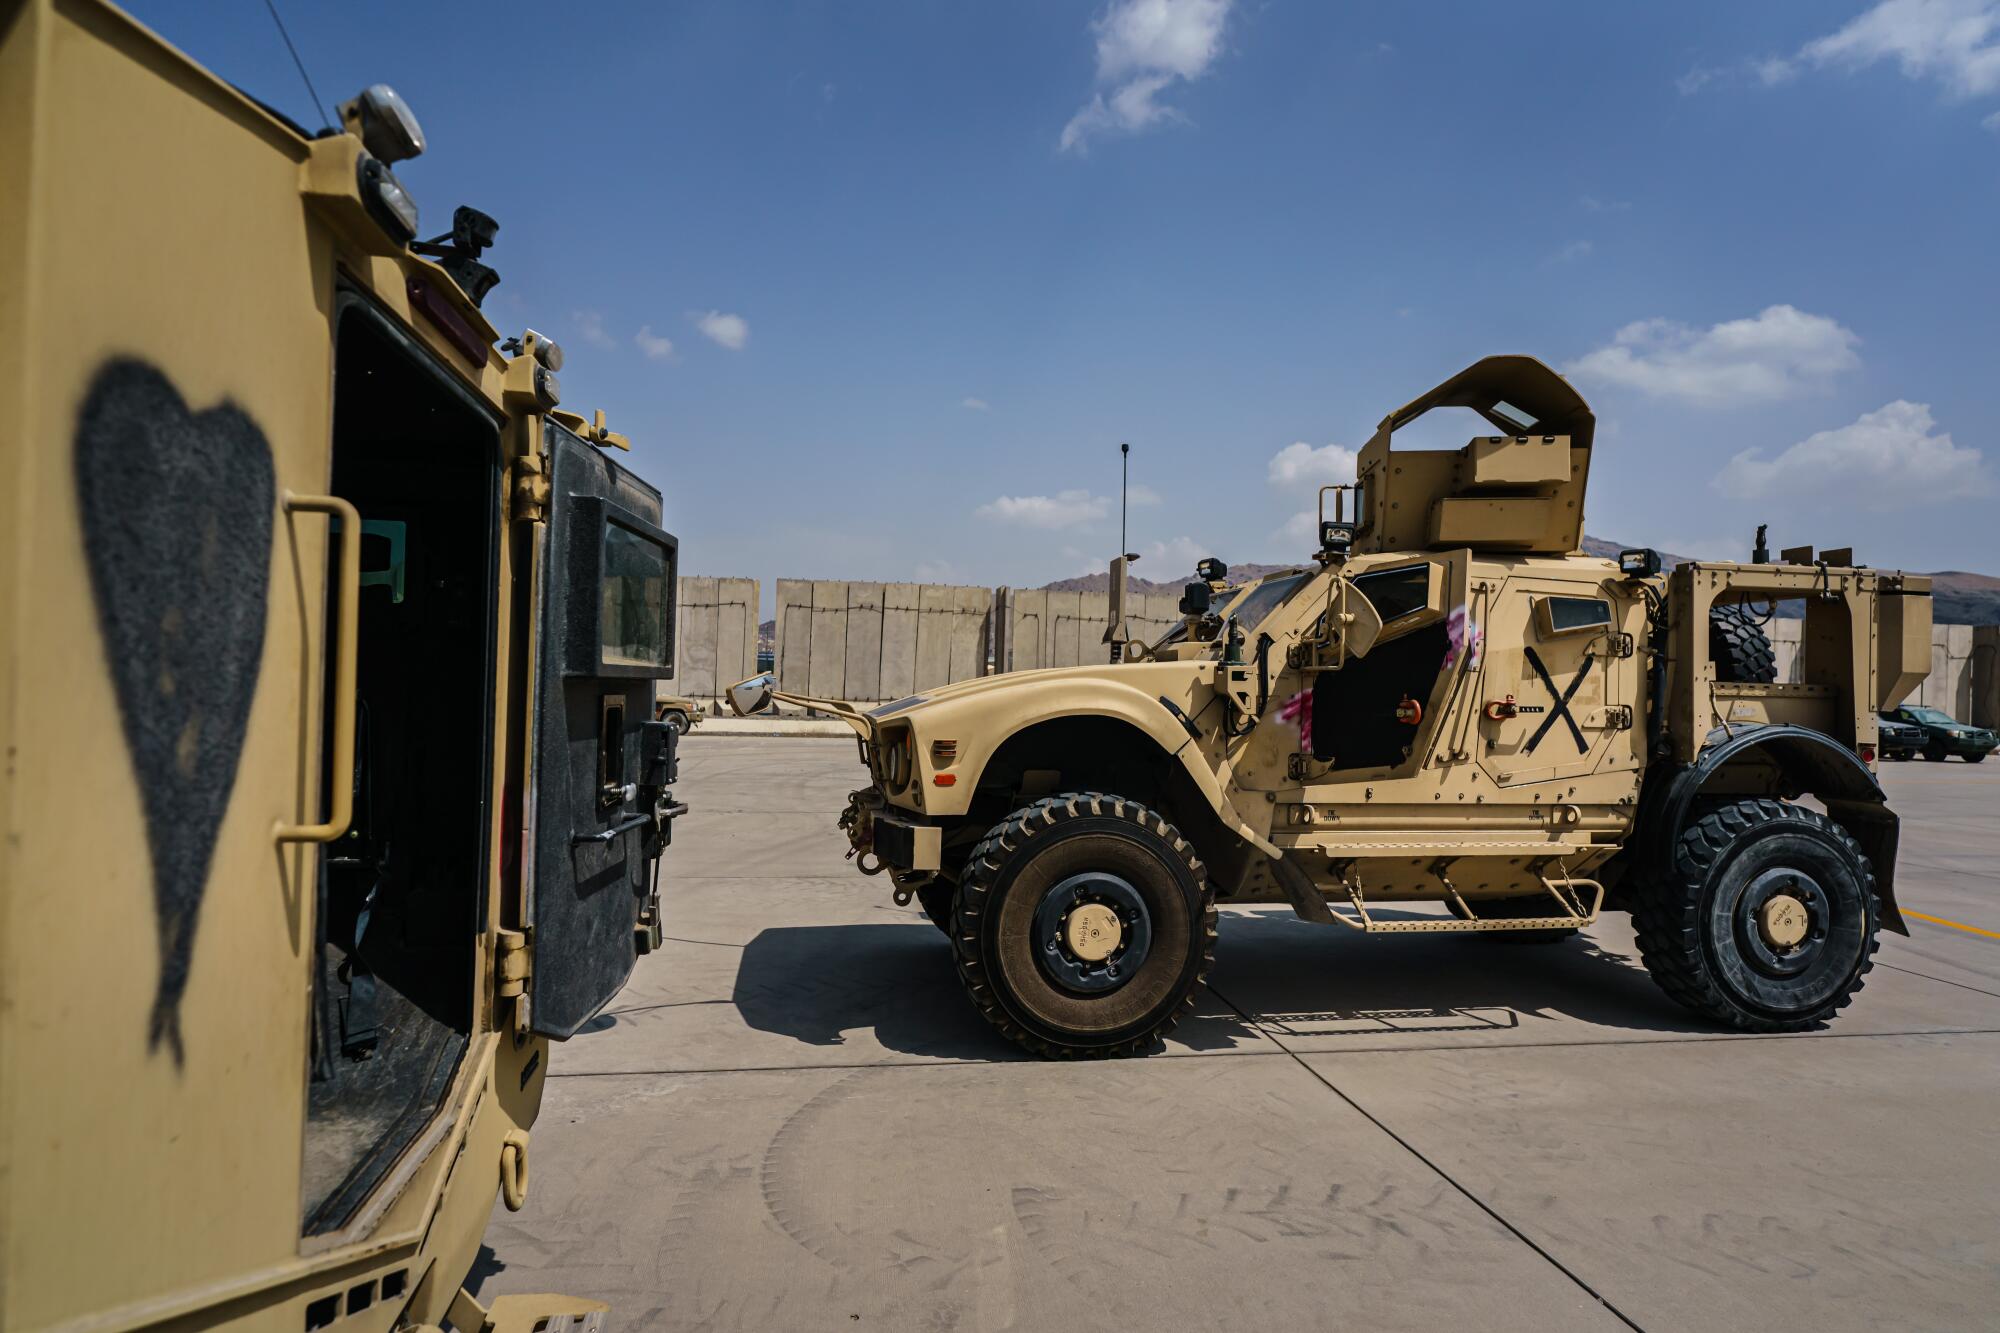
(1299, 462)
(1592, 204)
(1142, 47)
(1955, 42)
(1572, 251)
(1168, 560)
(976, 404)
(589, 326)
(731, 331)
(1143, 495)
(938, 571)
(653, 345)
(1778, 353)
(1893, 455)
(1992, 122)
(1064, 509)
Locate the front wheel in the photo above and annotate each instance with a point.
(1976, 758)
(1084, 926)
(1934, 753)
(1766, 921)
(676, 719)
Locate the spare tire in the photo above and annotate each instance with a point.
(1739, 648)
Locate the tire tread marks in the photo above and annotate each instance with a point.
(982, 872)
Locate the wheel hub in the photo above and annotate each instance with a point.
(1783, 921)
(1093, 932)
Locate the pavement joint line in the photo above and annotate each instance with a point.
(1446, 1177)
(1283, 1051)
(1942, 981)
(717, 944)
(1955, 925)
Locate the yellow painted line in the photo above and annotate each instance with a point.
(1955, 925)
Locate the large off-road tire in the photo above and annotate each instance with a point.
(1739, 647)
(1765, 921)
(1052, 875)
(1501, 909)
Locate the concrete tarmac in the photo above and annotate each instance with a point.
(793, 1119)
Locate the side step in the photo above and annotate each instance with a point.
(1567, 894)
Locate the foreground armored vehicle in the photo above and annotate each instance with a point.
(1449, 705)
(332, 792)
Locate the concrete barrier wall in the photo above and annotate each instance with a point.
(876, 641)
(1061, 629)
(1964, 679)
(715, 641)
(870, 642)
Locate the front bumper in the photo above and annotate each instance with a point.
(885, 837)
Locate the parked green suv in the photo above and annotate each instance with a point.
(1944, 737)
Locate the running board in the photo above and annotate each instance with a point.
(1567, 894)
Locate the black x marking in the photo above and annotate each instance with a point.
(1561, 710)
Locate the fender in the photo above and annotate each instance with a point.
(1811, 763)
(1142, 704)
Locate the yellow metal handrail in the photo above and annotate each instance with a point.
(347, 635)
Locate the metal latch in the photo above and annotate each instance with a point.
(1618, 645)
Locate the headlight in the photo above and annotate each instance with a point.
(387, 201)
(899, 758)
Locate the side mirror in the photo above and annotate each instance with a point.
(752, 695)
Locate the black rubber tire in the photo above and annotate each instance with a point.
(1032, 850)
(936, 898)
(1934, 753)
(676, 719)
(1977, 758)
(1684, 916)
(1739, 647)
(1496, 909)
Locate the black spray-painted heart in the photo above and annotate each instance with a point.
(177, 530)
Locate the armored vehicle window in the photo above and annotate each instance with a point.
(1395, 593)
(1265, 598)
(1571, 615)
(633, 624)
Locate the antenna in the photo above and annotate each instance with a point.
(1124, 484)
(311, 91)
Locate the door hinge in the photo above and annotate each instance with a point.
(530, 490)
(513, 963)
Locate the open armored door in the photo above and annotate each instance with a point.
(605, 594)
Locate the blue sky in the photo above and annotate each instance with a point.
(876, 288)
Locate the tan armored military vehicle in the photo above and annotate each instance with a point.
(332, 792)
(1451, 705)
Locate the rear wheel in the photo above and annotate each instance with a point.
(1766, 921)
(1977, 758)
(1739, 647)
(1084, 925)
(1934, 752)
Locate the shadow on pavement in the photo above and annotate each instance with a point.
(1306, 980)
(817, 983)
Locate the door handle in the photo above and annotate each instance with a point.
(347, 636)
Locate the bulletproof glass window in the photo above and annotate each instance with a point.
(1395, 593)
(1571, 615)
